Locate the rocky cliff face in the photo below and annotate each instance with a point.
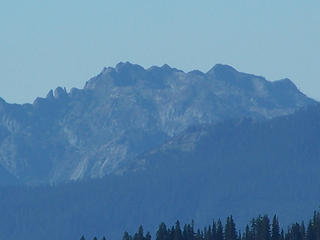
(125, 111)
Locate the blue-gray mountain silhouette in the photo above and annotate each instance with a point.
(125, 111)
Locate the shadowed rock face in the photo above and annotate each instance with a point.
(125, 111)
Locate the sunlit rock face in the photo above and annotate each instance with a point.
(126, 111)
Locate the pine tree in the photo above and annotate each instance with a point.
(261, 228)
(171, 233)
(275, 232)
(310, 232)
(316, 225)
(266, 227)
(82, 238)
(177, 232)
(247, 234)
(296, 232)
(253, 231)
(209, 235)
(162, 233)
(139, 235)
(214, 230)
(230, 232)
(219, 231)
(303, 231)
(188, 233)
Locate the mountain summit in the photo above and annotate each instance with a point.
(125, 111)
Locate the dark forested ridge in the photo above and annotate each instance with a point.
(259, 228)
(242, 167)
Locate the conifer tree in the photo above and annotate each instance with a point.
(316, 225)
(296, 232)
(177, 232)
(162, 233)
(219, 231)
(261, 228)
(303, 230)
(247, 234)
(214, 230)
(140, 233)
(266, 227)
(188, 233)
(253, 231)
(209, 234)
(310, 233)
(275, 232)
(230, 232)
(171, 233)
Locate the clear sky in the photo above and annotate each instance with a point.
(50, 43)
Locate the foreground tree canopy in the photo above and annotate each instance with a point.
(260, 228)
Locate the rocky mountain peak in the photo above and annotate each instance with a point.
(125, 111)
(60, 93)
(222, 70)
(50, 95)
(286, 83)
(127, 66)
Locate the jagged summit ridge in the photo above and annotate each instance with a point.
(125, 111)
(111, 73)
(222, 68)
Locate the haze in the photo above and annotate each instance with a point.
(45, 44)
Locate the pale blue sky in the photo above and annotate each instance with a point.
(45, 44)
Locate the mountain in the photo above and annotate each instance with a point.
(241, 167)
(126, 111)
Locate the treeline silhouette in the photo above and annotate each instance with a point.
(260, 228)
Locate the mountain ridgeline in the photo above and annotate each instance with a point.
(124, 112)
